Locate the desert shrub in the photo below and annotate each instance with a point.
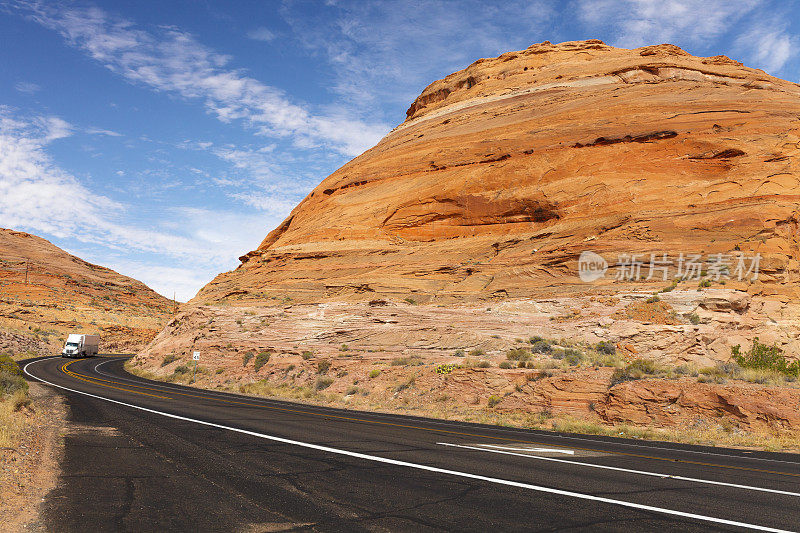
(477, 352)
(605, 347)
(374, 373)
(261, 359)
(483, 364)
(11, 379)
(535, 339)
(671, 287)
(344, 348)
(410, 301)
(636, 370)
(220, 370)
(764, 357)
(407, 360)
(494, 400)
(323, 366)
(518, 354)
(405, 385)
(246, 358)
(306, 355)
(541, 346)
(169, 358)
(704, 283)
(323, 382)
(571, 356)
(505, 365)
(352, 390)
(445, 368)
(694, 318)
(458, 353)
(653, 299)
(181, 370)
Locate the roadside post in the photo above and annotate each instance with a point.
(196, 357)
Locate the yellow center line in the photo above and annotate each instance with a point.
(97, 381)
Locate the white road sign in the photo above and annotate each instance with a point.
(196, 356)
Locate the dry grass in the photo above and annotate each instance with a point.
(12, 419)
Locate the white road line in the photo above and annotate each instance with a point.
(395, 462)
(619, 469)
(535, 450)
(450, 423)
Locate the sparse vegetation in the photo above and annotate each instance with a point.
(405, 385)
(605, 347)
(653, 299)
(261, 359)
(306, 355)
(445, 368)
(247, 357)
(410, 301)
(764, 357)
(477, 352)
(694, 318)
(406, 361)
(458, 353)
(518, 354)
(483, 364)
(505, 365)
(374, 373)
(169, 358)
(323, 382)
(638, 369)
(323, 366)
(541, 346)
(493, 400)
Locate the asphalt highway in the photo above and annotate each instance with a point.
(151, 456)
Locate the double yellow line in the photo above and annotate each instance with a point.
(105, 383)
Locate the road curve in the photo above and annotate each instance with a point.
(146, 455)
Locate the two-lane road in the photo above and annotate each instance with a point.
(154, 456)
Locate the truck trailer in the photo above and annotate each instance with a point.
(80, 345)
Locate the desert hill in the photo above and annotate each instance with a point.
(460, 233)
(503, 173)
(46, 292)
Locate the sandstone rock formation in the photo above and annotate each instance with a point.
(505, 171)
(461, 231)
(46, 293)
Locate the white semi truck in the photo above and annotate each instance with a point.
(80, 345)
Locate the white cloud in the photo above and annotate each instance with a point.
(261, 34)
(636, 23)
(768, 46)
(172, 61)
(100, 131)
(40, 197)
(387, 52)
(27, 87)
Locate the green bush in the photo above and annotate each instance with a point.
(323, 382)
(323, 366)
(572, 356)
(407, 360)
(261, 359)
(306, 355)
(405, 385)
(494, 400)
(483, 364)
(477, 352)
(764, 357)
(458, 353)
(653, 299)
(505, 365)
(169, 358)
(374, 373)
(694, 318)
(605, 347)
(636, 370)
(541, 346)
(518, 354)
(246, 358)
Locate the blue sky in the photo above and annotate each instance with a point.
(165, 139)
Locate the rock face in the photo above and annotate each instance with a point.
(504, 172)
(65, 294)
(460, 233)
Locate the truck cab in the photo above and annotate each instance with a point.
(81, 345)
